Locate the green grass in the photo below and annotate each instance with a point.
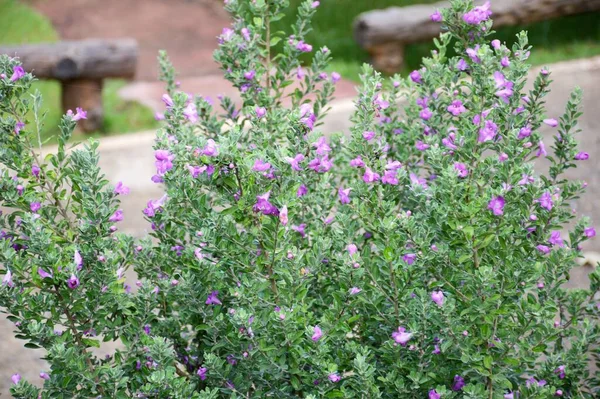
(555, 40)
(20, 24)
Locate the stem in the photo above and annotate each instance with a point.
(75, 333)
(268, 44)
(272, 265)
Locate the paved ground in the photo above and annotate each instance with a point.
(130, 159)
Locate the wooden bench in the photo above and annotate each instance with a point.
(81, 67)
(384, 33)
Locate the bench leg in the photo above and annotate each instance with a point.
(86, 94)
(388, 58)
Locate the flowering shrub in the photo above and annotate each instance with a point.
(420, 257)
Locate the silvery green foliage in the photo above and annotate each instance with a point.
(421, 256)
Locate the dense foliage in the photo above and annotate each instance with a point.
(420, 256)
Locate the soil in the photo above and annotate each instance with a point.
(187, 29)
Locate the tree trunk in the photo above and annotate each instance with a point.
(86, 94)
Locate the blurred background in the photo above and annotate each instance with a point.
(187, 29)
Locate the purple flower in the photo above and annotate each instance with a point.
(35, 206)
(545, 201)
(317, 333)
(295, 162)
(462, 65)
(414, 179)
(478, 14)
(355, 290)
(458, 383)
(80, 114)
(551, 122)
(448, 142)
(421, 146)
(322, 147)
(488, 132)
(368, 135)
(44, 376)
(503, 157)
(121, 189)
(211, 149)
(18, 73)
(541, 150)
(78, 260)
(153, 206)
(7, 280)
(18, 126)
(496, 44)
(456, 108)
(555, 239)
(558, 392)
(159, 116)
(560, 370)
(261, 166)
(303, 47)
(146, 329)
(543, 249)
(409, 258)
(73, 282)
(249, 75)
(434, 395)
(226, 35)
(436, 350)
(260, 112)
(509, 395)
(416, 77)
(461, 169)
(335, 77)
(390, 177)
(164, 161)
(302, 191)
(264, 206)
(437, 297)
(505, 62)
(344, 195)
(401, 336)
(589, 232)
(525, 131)
(191, 113)
(425, 114)
(496, 205)
(117, 216)
(582, 156)
(212, 299)
(352, 249)
(202, 373)
(43, 274)
(436, 16)
(525, 180)
(15, 378)
(20, 189)
(300, 229)
(357, 162)
(472, 53)
(370, 176)
(35, 170)
(334, 377)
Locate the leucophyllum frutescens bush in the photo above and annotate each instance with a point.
(420, 256)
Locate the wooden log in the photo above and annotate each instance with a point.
(86, 59)
(80, 66)
(87, 94)
(376, 30)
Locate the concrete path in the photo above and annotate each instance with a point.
(130, 159)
